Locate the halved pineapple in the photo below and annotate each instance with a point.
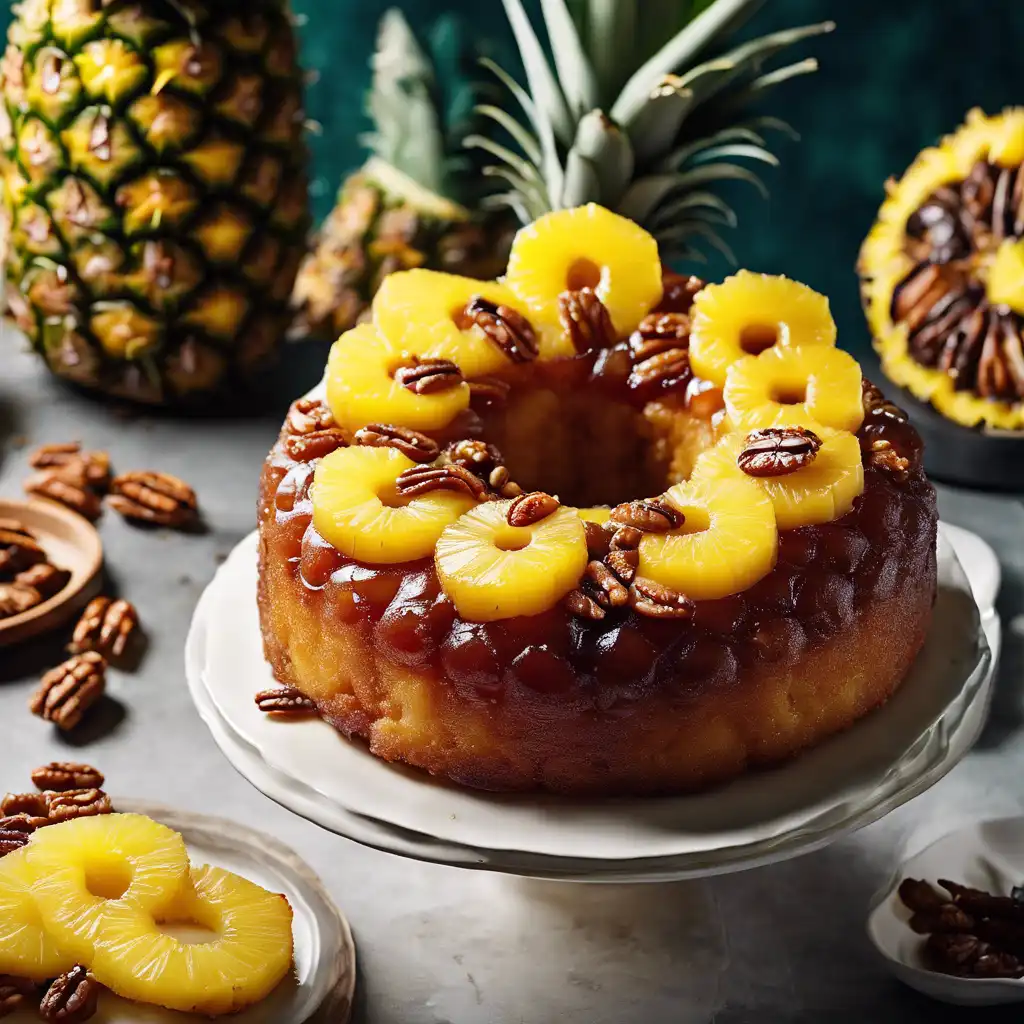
(26, 949)
(86, 867)
(728, 542)
(492, 570)
(245, 959)
(361, 387)
(357, 507)
(819, 493)
(811, 386)
(586, 247)
(749, 313)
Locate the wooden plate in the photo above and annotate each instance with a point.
(71, 543)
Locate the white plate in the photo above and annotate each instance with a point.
(321, 988)
(810, 796)
(988, 855)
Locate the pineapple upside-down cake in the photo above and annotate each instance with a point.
(595, 527)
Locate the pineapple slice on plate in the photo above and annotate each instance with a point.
(818, 493)
(811, 386)
(26, 948)
(357, 507)
(240, 957)
(492, 570)
(589, 247)
(749, 313)
(361, 386)
(729, 539)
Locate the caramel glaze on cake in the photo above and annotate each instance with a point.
(628, 704)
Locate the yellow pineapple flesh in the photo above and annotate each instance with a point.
(492, 570)
(749, 313)
(1006, 276)
(244, 954)
(810, 386)
(586, 247)
(361, 387)
(727, 543)
(358, 510)
(85, 867)
(26, 948)
(821, 492)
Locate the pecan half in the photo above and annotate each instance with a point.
(678, 291)
(78, 803)
(659, 602)
(670, 368)
(106, 626)
(419, 480)
(657, 333)
(285, 702)
(76, 466)
(584, 606)
(67, 692)
(504, 326)
(16, 994)
(776, 451)
(16, 526)
(307, 447)
(17, 598)
(487, 392)
(498, 480)
(876, 404)
(626, 538)
(886, 458)
(531, 508)
(45, 578)
(309, 415)
(15, 833)
(72, 998)
(50, 483)
(585, 318)
(624, 563)
(151, 497)
(411, 443)
(429, 376)
(60, 776)
(600, 583)
(34, 805)
(18, 553)
(650, 515)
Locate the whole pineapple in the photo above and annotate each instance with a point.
(155, 190)
(644, 111)
(415, 202)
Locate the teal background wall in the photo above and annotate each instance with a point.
(894, 76)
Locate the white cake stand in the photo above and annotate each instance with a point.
(850, 781)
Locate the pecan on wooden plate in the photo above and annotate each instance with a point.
(504, 326)
(67, 692)
(285, 702)
(72, 998)
(586, 320)
(151, 497)
(60, 776)
(44, 577)
(17, 598)
(776, 451)
(18, 552)
(106, 626)
(411, 443)
(83, 468)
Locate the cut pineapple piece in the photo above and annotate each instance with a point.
(587, 247)
(749, 313)
(492, 570)
(357, 507)
(361, 388)
(811, 386)
(1006, 276)
(600, 515)
(819, 493)
(86, 866)
(728, 542)
(26, 949)
(245, 959)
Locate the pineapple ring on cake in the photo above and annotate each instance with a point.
(588, 247)
(749, 313)
(579, 588)
(808, 386)
(246, 956)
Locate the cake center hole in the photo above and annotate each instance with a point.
(512, 539)
(108, 881)
(583, 274)
(789, 395)
(757, 338)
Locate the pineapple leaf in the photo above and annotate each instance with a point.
(575, 72)
(688, 228)
(693, 202)
(748, 152)
(607, 150)
(528, 143)
(547, 95)
(582, 181)
(699, 147)
(530, 191)
(645, 196)
(512, 200)
(522, 167)
(720, 172)
(610, 32)
(758, 86)
(659, 121)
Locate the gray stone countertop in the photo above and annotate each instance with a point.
(778, 945)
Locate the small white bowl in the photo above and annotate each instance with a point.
(988, 855)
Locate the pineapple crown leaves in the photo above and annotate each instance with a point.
(647, 127)
(422, 102)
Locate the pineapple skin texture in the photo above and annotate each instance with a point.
(155, 192)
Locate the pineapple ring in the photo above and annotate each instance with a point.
(748, 313)
(356, 507)
(248, 957)
(600, 515)
(26, 949)
(728, 542)
(492, 570)
(361, 389)
(588, 246)
(819, 493)
(86, 866)
(810, 386)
